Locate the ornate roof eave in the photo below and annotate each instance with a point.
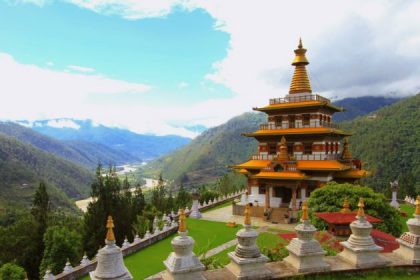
(292, 105)
(281, 132)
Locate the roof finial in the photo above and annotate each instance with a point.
(110, 233)
(300, 81)
(346, 206)
(182, 223)
(247, 214)
(305, 216)
(361, 205)
(417, 205)
(283, 153)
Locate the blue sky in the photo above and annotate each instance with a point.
(158, 66)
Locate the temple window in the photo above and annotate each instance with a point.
(261, 190)
(308, 148)
(272, 148)
(306, 119)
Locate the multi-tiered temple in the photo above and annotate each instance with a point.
(299, 149)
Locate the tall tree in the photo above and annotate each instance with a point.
(183, 198)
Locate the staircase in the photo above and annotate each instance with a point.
(277, 215)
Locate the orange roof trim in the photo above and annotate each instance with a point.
(253, 164)
(292, 131)
(321, 165)
(284, 175)
(354, 173)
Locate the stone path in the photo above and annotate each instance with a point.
(220, 248)
(225, 215)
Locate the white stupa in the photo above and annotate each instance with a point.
(305, 252)
(410, 241)
(182, 263)
(360, 250)
(247, 262)
(110, 259)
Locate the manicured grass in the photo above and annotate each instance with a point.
(149, 261)
(225, 204)
(409, 209)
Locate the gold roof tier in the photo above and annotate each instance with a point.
(353, 173)
(297, 131)
(327, 165)
(253, 164)
(300, 81)
(282, 175)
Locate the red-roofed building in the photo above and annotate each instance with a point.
(339, 223)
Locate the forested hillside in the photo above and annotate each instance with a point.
(389, 144)
(208, 156)
(360, 106)
(80, 152)
(23, 166)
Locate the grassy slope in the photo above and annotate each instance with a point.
(409, 209)
(150, 260)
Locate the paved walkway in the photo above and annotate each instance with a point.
(225, 215)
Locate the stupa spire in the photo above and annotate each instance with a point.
(283, 154)
(346, 206)
(247, 214)
(300, 81)
(110, 233)
(305, 216)
(182, 223)
(361, 211)
(417, 206)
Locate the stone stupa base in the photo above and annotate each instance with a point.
(186, 267)
(409, 252)
(248, 268)
(195, 215)
(306, 256)
(121, 277)
(364, 257)
(188, 275)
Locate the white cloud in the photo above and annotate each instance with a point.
(39, 3)
(63, 123)
(355, 48)
(81, 69)
(183, 85)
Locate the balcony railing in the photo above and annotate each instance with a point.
(274, 126)
(299, 98)
(299, 157)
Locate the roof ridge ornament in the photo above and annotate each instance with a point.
(300, 81)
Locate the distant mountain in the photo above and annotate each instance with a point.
(361, 106)
(138, 146)
(22, 167)
(77, 151)
(207, 156)
(388, 141)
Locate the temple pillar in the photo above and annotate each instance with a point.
(267, 196)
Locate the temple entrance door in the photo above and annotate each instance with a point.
(287, 195)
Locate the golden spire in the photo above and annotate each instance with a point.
(346, 155)
(247, 214)
(182, 223)
(417, 205)
(361, 205)
(300, 81)
(110, 233)
(283, 155)
(346, 207)
(305, 216)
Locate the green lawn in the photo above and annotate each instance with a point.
(149, 261)
(409, 209)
